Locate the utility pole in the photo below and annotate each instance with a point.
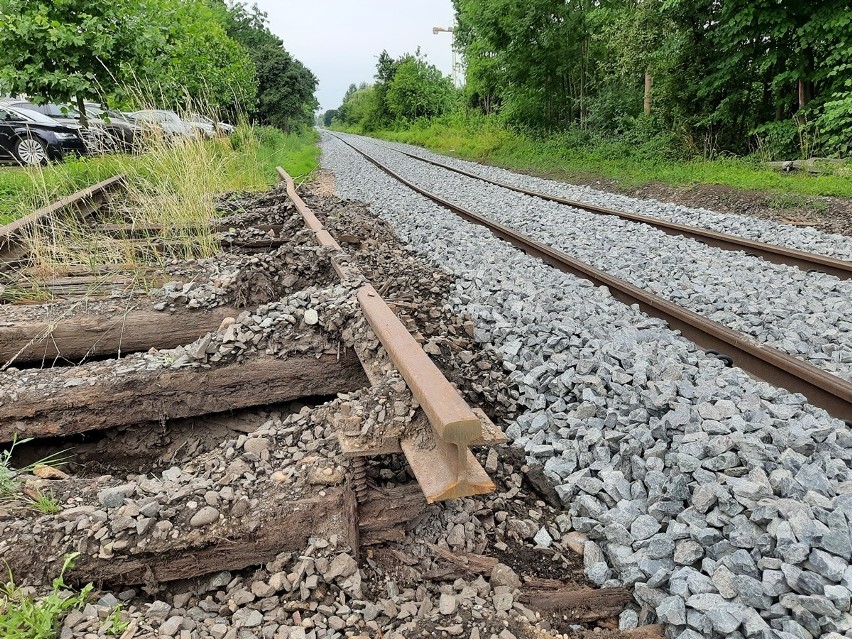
(451, 30)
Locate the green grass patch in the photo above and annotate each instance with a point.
(246, 161)
(630, 162)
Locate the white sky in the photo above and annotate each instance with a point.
(340, 40)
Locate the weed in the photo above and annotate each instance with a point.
(114, 625)
(24, 617)
(44, 502)
(9, 484)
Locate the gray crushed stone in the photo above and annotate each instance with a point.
(807, 315)
(723, 502)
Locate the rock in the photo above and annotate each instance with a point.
(247, 618)
(750, 592)
(829, 566)
(342, 565)
(204, 517)
(158, 610)
(170, 626)
(456, 536)
(503, 575)
(672, 611)
(256, 445)
(311, 317)
(643, 527)
(628, 619)
(447, 604)
(687, 552)
(115, 496)
(502, 601)
(543, 538)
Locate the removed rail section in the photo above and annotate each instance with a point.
(764, 362)
(769, 252)
(445, 468)
(82, 204)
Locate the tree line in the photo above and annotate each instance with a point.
(704, 76)
(209, 54)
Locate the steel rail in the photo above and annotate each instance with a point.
(822, 389)
(82, 204)
(769, 252)
(448, 469)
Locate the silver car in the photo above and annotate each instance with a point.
(166, 121)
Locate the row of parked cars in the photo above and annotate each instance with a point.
(33, 134)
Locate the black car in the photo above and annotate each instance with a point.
(124, 133)
(32, 138)
(95, 137)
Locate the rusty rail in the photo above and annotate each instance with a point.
(820, 387)
(82, 203)
(769, 252)
(445, 468)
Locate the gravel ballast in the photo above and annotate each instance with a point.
(807, 315)
(722, 501)
(803, 238)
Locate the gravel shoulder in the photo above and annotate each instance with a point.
(817, 225)
(803, 314)
(723, 502)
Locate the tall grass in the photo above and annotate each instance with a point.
(171, 190)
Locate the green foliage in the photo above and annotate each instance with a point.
(585, 155)
(45, 503)
(418, 90)
(199, 61)
(74, 48)
(835, 123)
(285, 87)
(24, 617)
(720, 72)
(114, 625)
(154, 52)
(406, 88)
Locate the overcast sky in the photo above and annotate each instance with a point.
(339, 40)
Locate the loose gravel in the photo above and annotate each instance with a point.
(807, 315)
(803, 238)
(722, 501)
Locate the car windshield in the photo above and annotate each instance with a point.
(98, 111)
(32, 116)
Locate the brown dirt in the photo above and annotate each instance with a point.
(827, 214)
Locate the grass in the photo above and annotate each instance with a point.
(172, 187)
(249, 164)
(629, 163)
(24, 617)
(10, 485)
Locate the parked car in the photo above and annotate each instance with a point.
(124, 132)
(220, 128)
(32, 138)
(95, 136)
(164, 121)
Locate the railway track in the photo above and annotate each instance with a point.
(822, 389)
(769, 252)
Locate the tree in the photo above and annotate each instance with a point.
(204, 65)
(70, 50)
(328, 117)
(285, 87)
(418, 89)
